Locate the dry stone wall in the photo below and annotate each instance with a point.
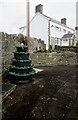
(8, 43)
(52, 59)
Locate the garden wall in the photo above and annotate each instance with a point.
(8, 43)
(7, 47)
(51, 59)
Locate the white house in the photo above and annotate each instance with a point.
(47, 28)
(68, 40)
(76, 28)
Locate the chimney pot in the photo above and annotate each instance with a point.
(39, 8)
(63, 21)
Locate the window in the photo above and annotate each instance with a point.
(65, 40)
(52, 26)
(56, 41)
(69, 32)
(64, 30)
(58, 28)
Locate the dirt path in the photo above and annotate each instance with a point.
(52, 95)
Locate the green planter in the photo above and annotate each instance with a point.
(21, 69)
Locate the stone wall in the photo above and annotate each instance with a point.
(8, 43)
(51, 59)
(7, 46)
(36, 45)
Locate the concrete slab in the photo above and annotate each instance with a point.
(7, 89)
(38, 70)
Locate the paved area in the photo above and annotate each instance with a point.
(52, 95)
(7, 89)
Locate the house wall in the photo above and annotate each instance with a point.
(77, 21)
(39, 28)
(58, 32)
(65, 42)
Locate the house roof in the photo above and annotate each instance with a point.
(67, 35)
(53, 20)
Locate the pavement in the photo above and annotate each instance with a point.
(8, 88)
(52, 95)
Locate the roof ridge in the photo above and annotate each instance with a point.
(54, 20)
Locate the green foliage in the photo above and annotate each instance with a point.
(53, 50)
(4, 110)
(21, 60)
(13, 66)
(22, 46)
(68, 47)
(12, 72)
(43, 50)
(32, 72)
(38, 62)
(21, 52)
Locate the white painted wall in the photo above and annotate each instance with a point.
(65, 43)
(58, 33)
(39, 28)
(77, 20)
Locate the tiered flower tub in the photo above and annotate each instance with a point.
(21, 69)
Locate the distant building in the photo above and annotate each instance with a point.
(47, 28)
(68, 40)
(76, 28)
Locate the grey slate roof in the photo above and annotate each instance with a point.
(67, 35)
(53, 20)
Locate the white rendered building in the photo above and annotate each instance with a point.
(48, 29)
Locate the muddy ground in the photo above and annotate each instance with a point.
(52, 95)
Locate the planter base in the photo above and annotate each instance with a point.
(20, 81)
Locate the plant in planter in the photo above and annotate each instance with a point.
(21, 69)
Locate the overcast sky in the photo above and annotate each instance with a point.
(13, 12)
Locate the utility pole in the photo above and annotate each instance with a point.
(28, 24)
(49, 34)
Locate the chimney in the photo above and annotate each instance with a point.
(39, 8)
(63, 21)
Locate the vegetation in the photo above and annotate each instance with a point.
(22, 46)
(53, 50)
(3, 109)
(14, 73)
(21, 52)
(21, 60)
(43, 50)
(67, 47)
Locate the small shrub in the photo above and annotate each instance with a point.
(43, 50)
(53, 51)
